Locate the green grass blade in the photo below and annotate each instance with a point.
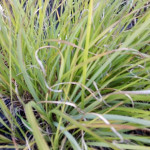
(36, 132)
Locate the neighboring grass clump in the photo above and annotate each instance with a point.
(77, 74)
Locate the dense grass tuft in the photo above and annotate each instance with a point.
(75, 74)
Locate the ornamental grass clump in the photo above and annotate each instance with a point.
(75, 74)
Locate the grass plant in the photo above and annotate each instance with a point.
(79, 74)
